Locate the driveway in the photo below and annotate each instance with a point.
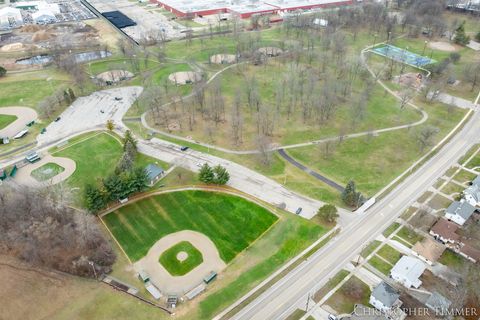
(90, 112)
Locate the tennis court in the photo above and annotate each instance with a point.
(403, 56)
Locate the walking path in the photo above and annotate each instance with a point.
(24, 116)
(310, 172)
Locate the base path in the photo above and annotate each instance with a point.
(90, 112)
(169, 284)
(24, 174)
(24, 115)
(185, 77)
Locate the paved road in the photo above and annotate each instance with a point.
(282, 299)
(310, 172)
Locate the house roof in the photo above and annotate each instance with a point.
(461, 208)
(429, 249)
(474, 191)
(153, 171)
(409, 268)
(385, 294)
(446, 229)
(437, 301)
(470, 251)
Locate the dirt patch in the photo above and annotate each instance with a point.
(185, 77)
(223, 58)
(442, 46)
(270, 51)
(24, 115)
(24, 175)
(115, 76)
(173, 126)
(179, 285)
(42, 35)
(412, 80)
(17, 46)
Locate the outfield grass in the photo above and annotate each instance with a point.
(174, 266)
(47, 171)
(6, 119)
(139, 225)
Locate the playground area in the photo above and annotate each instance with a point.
(49, 170)
(180, 285)
(22, 117)
(402, 56)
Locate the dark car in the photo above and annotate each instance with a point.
(184, 148)
(118, 98)
(299, 210)
(58, 119)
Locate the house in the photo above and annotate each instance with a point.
(154, 173)
(428, 250)
(385, 298)
(445, 232)
(459, 212)
(438, 303)
(469, 253)
(472, 195)
(407, 271)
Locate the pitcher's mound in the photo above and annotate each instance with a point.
(223, 58)
(271, 51)
(185, 77)
(442, 46)
(115, 76)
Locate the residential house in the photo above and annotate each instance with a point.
(407, 271)
(459, 212)
(428, 250)
(154, 173)
(445, 232)
(469, 252)
(385, 298)
(472, 195)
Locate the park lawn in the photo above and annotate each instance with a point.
(174, 266)
(370, 248)
(26, 92)
(380, 265)
(139, 225)
(6, 119)
(389, 254)
(47, 171)
(121, 64)
(344, 300)
(96, 156)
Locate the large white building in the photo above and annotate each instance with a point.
(10, 17)
(407, 271)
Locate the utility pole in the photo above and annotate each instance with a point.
(308, 300)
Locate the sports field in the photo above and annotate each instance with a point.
(5, 120)
(177, 267)
(403, 56)
(220, 217)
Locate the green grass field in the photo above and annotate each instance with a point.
(139, 225)
(26, 92)
(47, 171)
(6, 119)
(352, 292)
(176, 267)
(389, 254)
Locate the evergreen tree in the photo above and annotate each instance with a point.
(94, 198)
(477, 36)
(114, 187)
(3, 72)
(221, 175)
(129, 138)
(460, 35)
(140, 179)
(206, 174)
(350, 196)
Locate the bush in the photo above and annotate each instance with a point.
(3, 72)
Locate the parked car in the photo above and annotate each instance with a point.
(58, 119)
(184, 148)
(332, 317)
(118, 98)
(299, 210)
